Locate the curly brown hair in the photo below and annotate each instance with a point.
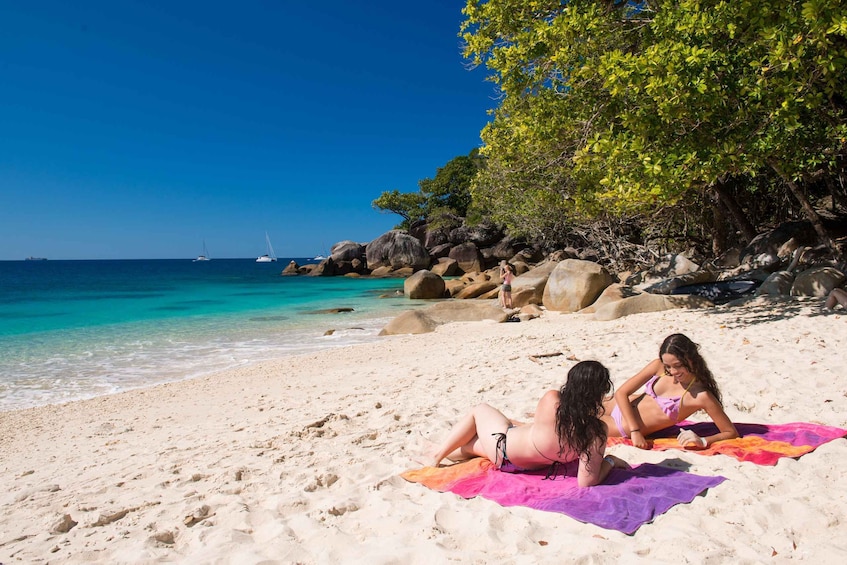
(580, 403)
(688, 352)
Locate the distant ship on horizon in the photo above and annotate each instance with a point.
(30, 258)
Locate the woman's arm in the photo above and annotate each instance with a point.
(630, 414)
(595, 468)
(726, 429)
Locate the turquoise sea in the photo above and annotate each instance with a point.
(77, 329)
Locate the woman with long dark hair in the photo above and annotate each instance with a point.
(676, 385)
(566, 427)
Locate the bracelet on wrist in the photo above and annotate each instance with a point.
(610, 461)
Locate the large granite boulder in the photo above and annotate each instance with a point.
(491, 294)
(764, 251)
(506, 248)
(455, 286)
(423, 285)
(528, 288)
(446, 267)
(466, 311)
(476, 276)
(589, 254)
(530, 312)
(384, 271)
(476, 289)
(403, 272)
(440, 251)
(291, 269)
(527, 255)
(418, 229)
(562, 254)
(410, 322)
(646, 302)
(777, 284)
(669, 267)
(325, 268)
(574, 284)
(468, 256)
(485, 234)
(435, 237)
(427, 319)
(347, 251)
(519, 268)
(397, 249)
(818, 281)
(459, 235)
(612, 293)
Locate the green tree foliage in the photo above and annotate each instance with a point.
(408, 205)
(447, 194)
(450, 188)
(630, 106)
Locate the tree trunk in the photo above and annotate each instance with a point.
(719, 231)
(809, 211)
(839, 199)
(736, 213)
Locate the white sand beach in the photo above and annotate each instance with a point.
(297, 460)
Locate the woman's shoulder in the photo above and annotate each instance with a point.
(550, 397)
(548, 404)
(701, 397)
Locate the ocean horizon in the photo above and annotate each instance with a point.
(75, 329)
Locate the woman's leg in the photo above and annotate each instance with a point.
(837, 296)
(472, 435)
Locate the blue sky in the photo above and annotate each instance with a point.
(140, 129)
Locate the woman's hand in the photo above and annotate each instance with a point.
(687, 437)
(638, 440)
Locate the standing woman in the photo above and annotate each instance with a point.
(507, 276)
(566, 427)
(676, 385)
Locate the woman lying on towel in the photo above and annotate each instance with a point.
(566, 427)
(676, 385)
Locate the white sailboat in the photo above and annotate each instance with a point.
(268, 257)
(205, 254)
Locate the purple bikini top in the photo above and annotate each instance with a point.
(670, 406)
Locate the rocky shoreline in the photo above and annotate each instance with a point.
(464, 264)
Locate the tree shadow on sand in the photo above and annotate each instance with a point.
(765, 309)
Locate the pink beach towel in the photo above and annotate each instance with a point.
(763, 444)
(627, 499)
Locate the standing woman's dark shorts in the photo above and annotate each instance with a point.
(507, 288)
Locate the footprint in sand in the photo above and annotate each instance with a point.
(322, 481)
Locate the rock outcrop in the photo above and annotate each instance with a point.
(397, 249)
(818, 281)
(468, 257)
(427, 319)
(424, 284)
(574, 284)
(646, 302)
(528, 288)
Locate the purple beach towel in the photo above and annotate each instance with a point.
(625, 501)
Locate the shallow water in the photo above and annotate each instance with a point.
(76, 329)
